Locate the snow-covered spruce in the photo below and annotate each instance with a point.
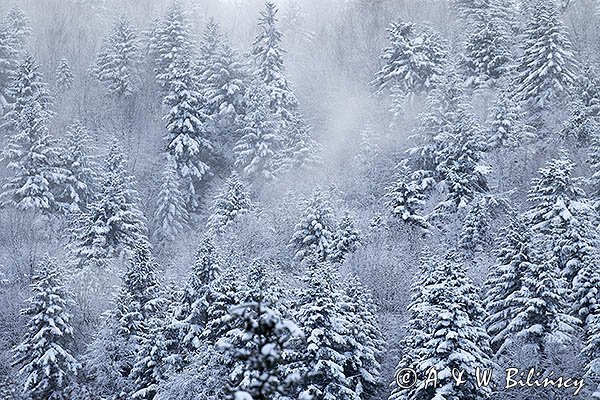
(14, 31)
(46, 363)
(346, 240)
(232, 202)
(171, 215)
(406, 198)
(63, 75)
(584, 107)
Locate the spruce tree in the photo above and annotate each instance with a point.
(414, 61)
(47, 366)
(232, 202)
(117, 65)
(18, 23)
(546, 69)
(187, 134)
(584, 108)
(14, 31)
(113, 222)
(64, 76)
(405, 197)
(314, 233)
(506, 128)
(478, 223)
(346, 240)
(77, 158)
(31, 152)
(171, 215)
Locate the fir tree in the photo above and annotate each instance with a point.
(232, 202)
(77, 158)
(171, 215)
(584, 108)
(31, 152)
(414, 61)
(260, 139)
(346, 240)
(506, 128)
(546, 69)
(477, 224)
(18, 23)
(170, 45)
(591, 351)
(405, 197)
(313, 234)
(117, 64)
(564, 216)
(47, 365)
(64, 76)
(364, 368)
(186, 140)
(586, 293)
(112, 223)
(328, 346)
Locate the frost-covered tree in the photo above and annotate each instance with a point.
(346, 240)
(224, 80)
(14, 31)
(118, 62)
(45, 358)
(113, 222)
(584, 107)
(298, 146)
(546, 69)
(170, 44)
(586, 293)
(476, 230)
(414, 61)
(591, 351)
(78, 159)
(313, 235)
(187, 142)
(563, 215)
(405, 197)
(506, 128)
(63, 75)
(328, 345)
(232, 202)
(260, 139)
(18, 23)
(30, 152)
(364, 367)
(171, 215)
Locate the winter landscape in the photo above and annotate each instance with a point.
(299, 199)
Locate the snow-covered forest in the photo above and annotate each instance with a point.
(299, 199)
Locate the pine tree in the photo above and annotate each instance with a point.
(117, 64)
(364, 367)
(346, 240)
(77, 158)
(260, 139)
(31, 152)
(232, 202)
(112, 223)
(47, 365)
(64, 76)
(320, 358)
(405, 197)
(564, 216)
(299, 148)
(546, 69)
(313, 234)
(171, 215)
(584, 108)
(186, 140)
(224, 80)
(170, 45)
(414, 61)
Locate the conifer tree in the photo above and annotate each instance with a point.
(586, 293)
(9, 54)
(477, 224)
(584, 108)
(171, 215)
(346, 240)
(364, 368)
(112, 223)
(563, 215)
(117, 65)
(187, 134)
(170, 45)
(506, 128)
(31, 152)
(77, 158)
(224, 80)
(47, 366)
(405, 197)
(260, 139)
(328, 345)
(232, 202)
(591, 351)
(64, 76)
(546, 69)
(313, 234)
(414, 61)
(18, 24)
